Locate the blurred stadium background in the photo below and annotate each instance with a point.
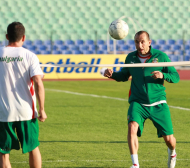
(80, 26)
(84, 128)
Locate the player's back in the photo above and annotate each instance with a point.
(16, 86)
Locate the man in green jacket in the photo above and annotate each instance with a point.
(147, 95)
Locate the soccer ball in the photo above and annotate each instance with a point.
(118, 29)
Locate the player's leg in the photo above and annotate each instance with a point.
(132, 137)
(35, 160)
(133, 142)
(136, 118)
(28, 133)
(4, 161)
(171, 143)
(161, 118)
(8, 141)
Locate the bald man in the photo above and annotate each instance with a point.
(147, 95)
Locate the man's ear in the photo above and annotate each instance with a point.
(7, 37)
(23, 38)
(150, 41)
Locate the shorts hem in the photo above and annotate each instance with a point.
(31, 149)
(166, 134)
(5, 152)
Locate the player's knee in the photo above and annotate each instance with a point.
(170, 139)
(4, 156)
(4, 161)
(133, 128)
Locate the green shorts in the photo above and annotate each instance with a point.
(25, 132)
(159, 114)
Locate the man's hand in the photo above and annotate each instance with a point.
(42, 116)
(157, 74)
(108, 73)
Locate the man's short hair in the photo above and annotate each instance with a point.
(15, 31)
(141, 32)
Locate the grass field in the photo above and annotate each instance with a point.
(90, 131)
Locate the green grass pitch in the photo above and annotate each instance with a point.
(89, 132)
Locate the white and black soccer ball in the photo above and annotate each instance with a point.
(118, 29)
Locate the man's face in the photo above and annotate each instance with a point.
(142, 43)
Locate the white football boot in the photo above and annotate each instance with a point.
(171, 160)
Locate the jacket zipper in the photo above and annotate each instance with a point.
(146, 83)
(146, 86)
(144, 80)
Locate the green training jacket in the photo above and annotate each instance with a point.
(144, 88)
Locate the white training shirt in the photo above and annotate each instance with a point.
(17, 97)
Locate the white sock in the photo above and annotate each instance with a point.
(134, 158)
(172, 152)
